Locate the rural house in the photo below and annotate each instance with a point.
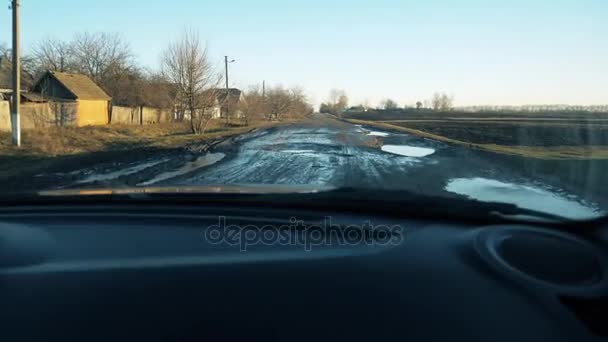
(228, 101)
(78, 100)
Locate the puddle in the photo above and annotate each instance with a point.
(524, 196)
(299, 151)
(408, 151)
(200, 162)
(378, 134)
(124, 172)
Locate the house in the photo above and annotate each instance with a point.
(26, 97)
(5, 94)
(227, 102)
(222, 104)
(356, 109)
(88, 104)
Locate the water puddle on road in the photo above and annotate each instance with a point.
(299, 151)
(378, 134)
(204, 161)
(524, 196)
(124, 172)
(408, 151)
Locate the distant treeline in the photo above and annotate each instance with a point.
(430, 114)
(536, 108)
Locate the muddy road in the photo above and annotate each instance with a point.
(327, 152)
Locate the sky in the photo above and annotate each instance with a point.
(482, 52)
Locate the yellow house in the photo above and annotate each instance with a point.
(77, 100)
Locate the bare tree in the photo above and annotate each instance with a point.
(254, 107)
(6, 68)
(334, 95)
(447, 102)
(157, 92)
(436, 102)
(185, 65)
(106, 58)
(279, 102)
(338, 99)
(342, 103)
(442, 102)
(299, 104)
(128, 87)
(100, 54)
(5, 51)
(336, 103)
(389, 104)
(53, 55)
(418, 105)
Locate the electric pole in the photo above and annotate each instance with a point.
(226, 61)
(15, 122)
(263, 88)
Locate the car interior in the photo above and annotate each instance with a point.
(142, 267)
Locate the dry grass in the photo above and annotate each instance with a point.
(59, 141)
(582, 152)
(56, 141)
(45, 149)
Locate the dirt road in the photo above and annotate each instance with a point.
(325, 151)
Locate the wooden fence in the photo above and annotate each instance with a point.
(40, 115)
(139, 115)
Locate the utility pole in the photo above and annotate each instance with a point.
(15, 122)
(263, 88)
(226, 61)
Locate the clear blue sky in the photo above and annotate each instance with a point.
(481, 51)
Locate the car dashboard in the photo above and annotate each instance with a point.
(160, 273)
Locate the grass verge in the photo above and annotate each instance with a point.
(44, 149)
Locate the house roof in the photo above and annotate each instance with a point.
(228, 96)
(33, 97)
(81, 86)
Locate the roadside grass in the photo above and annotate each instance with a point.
(58, 141)
(565, 152)
(44, 148)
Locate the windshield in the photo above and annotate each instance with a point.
(487, 100)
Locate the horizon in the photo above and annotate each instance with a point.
(483, 53)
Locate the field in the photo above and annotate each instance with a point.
(425, 114)
(517, 133)
(558, 135)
